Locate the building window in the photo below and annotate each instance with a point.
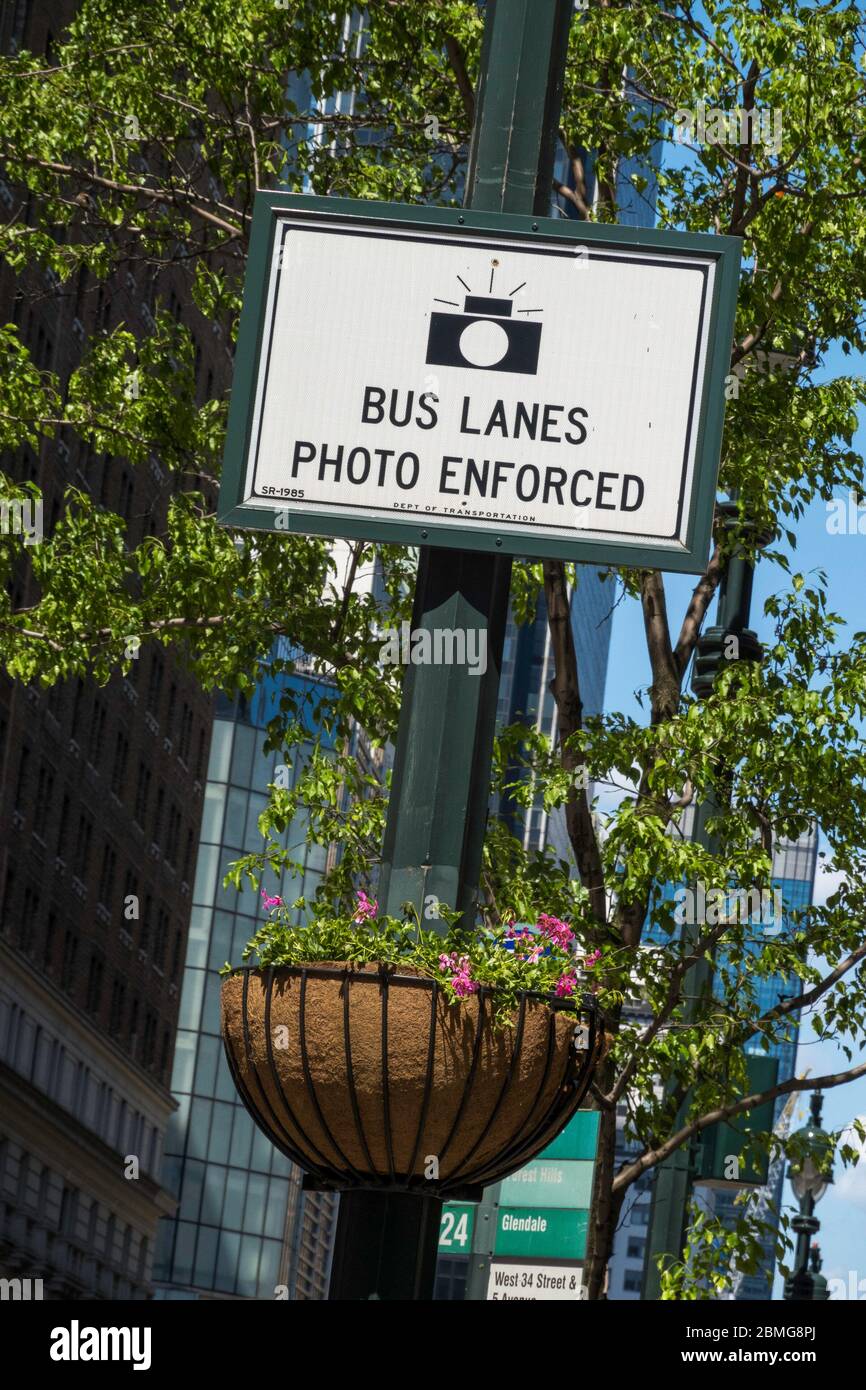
(146, 921)
(8, 896)
(133, 1026)
(106, 877)
(154, 685)
(22, 778)
(635, 1249)
(148, 1047)
(157, 815)
(20, 20)
(175, 956)
(29, 915)
(160, 938)
(640, 1215)
(97, 734)
(632, 1281)
(118, 770)
(170, 713)
(187, 857)
(142, 794)
(118, 1005)
(173, 836)
(82, 845)
(110, 1226)
(94, 985)
(44, 795)
(451, 1275)
(67, 969)
(48, 943)
(125, 501)
(63, 828)
(68, 1211)
(185, 733)
(76, 708)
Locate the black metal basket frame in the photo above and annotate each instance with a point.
(467, 1181)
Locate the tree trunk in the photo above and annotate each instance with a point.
(605, 1207)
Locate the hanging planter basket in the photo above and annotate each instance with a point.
(368, 1078)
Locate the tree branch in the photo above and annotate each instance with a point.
(156, 195)
(457, 59)
(652, 1157)
(702, 597)
(565, 688)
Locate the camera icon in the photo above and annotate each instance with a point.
(484, 336)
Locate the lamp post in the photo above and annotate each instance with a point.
(810, 1177)
(820, 1291)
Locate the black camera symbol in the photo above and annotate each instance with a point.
(485, 336)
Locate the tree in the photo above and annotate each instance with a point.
(137, 143)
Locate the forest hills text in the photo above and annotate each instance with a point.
(485, 472)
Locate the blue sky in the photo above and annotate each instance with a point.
(842, 1212)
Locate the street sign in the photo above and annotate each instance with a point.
(579, 1139)
(486, 381)
(548, 1183)
(455, 1228)
(534, 1282)
(545, 1233)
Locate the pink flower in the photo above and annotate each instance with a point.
(565, 986)
(590, 961)
(558, 933)
(365, 909)
(462, 985)
(269, 901)
(461, 979)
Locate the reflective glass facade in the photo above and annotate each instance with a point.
(793, 875)
(525, 696)
(242, 1223)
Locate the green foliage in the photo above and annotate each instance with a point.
(133, 152)
(461, 961)
(718, 1250)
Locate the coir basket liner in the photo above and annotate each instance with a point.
(364, 1075)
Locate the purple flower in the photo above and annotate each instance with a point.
(558, 933)
(565, 986)
(365, 909)
(461, 979)
(269, 901)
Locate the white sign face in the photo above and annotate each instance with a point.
(534, 1283)
(515, 388)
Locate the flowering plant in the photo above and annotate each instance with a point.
(542, 957)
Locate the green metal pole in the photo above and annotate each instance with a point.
(673, 1182)
(386, 1243)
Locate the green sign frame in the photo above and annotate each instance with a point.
(456, 1228)
(547, 1182)
(234, 509)
(560, 1233)
(579, 1139)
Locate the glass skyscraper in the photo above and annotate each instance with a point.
(793, 875)
(243, 1227)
